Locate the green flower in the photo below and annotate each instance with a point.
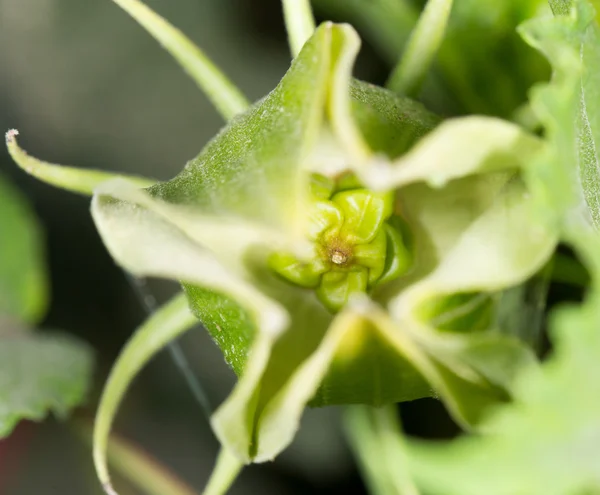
(339, 243)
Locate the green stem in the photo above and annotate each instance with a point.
(387, 23)
(376, 439)
(224, 95)
(421, 48)
(72, 179)
(224, 473)
(299, 23)
(163, 326)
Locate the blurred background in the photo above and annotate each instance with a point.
(86, 86)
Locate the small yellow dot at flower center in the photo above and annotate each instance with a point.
(338, 258)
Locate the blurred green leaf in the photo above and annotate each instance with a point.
(587, 40)
(23, 283)
(494, 74)
(376, 440)
(482, 66)
(546, 442)
(40, 373)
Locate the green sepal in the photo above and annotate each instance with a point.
(338, 287)
(373, 256)
(364, 214)
(303, 273)
(325, 218)
(398, 256)
(321, 187)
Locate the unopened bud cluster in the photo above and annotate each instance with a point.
(354, 244)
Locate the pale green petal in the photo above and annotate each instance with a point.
(488, 241)
(502, 247)
(225, 238)
(245, 423)
(457, 367)
(280, 418)
(345, 46)
(457, 148)
(147, 244)
(368, 121)
(228, 100)
(70, 178)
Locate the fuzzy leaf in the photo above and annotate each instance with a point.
(23, 284)
(574, 40)
(253, 168)
(389, 123)
(40, 373)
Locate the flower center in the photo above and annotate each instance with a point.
(355, 245)
(338, 257)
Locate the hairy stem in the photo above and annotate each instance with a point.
(223, 94)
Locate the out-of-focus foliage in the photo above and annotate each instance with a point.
(23, 284)
(483, 65)
(546, 442)
(39, 372)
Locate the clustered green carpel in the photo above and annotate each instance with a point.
(354, 244)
